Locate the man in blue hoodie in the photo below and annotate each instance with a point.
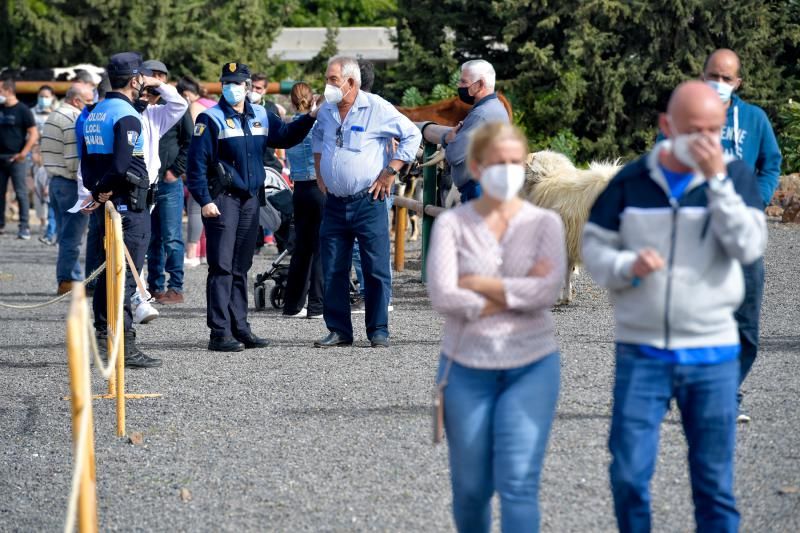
(667, 238)
(747, 136)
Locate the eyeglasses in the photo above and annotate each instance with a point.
(339, 137)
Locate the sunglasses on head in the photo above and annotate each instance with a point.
(339, 137)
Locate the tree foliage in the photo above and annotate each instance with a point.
(592, 75)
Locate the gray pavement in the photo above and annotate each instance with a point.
(291, 438)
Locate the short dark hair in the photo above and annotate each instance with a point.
(187, 83)
(119, 82)
(258, 76)
(83, 76)
(104, 86)
(9, 84)
(46, 88)
(367, 74)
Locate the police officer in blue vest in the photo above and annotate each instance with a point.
(114, 170)
(225, 174)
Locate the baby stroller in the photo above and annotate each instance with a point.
(276, 216)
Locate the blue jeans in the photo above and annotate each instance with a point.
(497, 424)
(344, 220)
(470, 191)
(357, 260)
(16, 172)
(71, 227)
(52, 221)
(706, 397)
(166, 239)
(748, 315)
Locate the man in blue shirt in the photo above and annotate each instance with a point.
(668, 238)
(356, 168)
(225, 174)
(113, 169)
(747, 136)
(475, 87)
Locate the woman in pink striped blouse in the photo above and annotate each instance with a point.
(494, 271)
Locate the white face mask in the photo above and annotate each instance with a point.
(233, 93)
(502, 182)
(2, 99)
(681, 143)
(333, 94)
(723, 90)
(254, 97)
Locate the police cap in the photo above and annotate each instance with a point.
(234, 73)
(126, 64)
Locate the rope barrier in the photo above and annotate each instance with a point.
(58, 298)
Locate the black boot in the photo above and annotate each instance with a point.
(134, 358)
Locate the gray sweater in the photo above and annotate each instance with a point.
(488, 109)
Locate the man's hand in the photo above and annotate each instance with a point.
(18, 157)
(707, 153)
(382, 186)
(89, 205)
(210, 210)
(321, 185)
(451, 135)
(647, 262)
(541, 268)
(150, 81)
(492, 308)
(103, 197)
(169, 177)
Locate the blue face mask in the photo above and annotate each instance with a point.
(233, 93)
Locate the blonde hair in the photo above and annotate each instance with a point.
(302, 97)
(490, 134)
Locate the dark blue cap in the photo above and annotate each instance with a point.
(234, 73)
(127, 64)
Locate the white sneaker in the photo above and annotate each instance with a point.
(390, 308)
(303, 313)
(742, 418)
(191, 263)
(145, 313)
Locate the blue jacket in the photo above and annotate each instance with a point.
(748, 136)
(238, 142)
(704, 237)
(112, 146)
(301, 160)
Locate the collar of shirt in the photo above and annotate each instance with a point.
(484, 100)
(361, 102)
(115, 94)
(231, 112)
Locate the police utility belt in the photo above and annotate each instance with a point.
(220, 180)
(141, 195)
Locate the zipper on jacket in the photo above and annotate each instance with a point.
(670, 262)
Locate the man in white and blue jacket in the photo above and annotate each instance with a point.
(668, 238)
(225, 174)
(747, 136)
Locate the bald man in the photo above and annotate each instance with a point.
(748, 136)
(668, 238)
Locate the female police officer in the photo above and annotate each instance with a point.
(224, 174)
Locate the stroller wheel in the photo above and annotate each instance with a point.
(260, 297)
(276, 297)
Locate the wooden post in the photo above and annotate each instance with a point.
(401, 215)
(115, 279)
(111, 308)
(77, 344)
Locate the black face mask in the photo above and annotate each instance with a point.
(463, 94)
(140, 106)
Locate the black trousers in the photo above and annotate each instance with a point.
(136, 235)
(230, 243)
(305, 268)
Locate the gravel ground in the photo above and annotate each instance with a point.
(291, 438)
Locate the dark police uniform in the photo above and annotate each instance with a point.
(237, 141)
(113, 160)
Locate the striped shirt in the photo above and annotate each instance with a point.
(462, 244)
(58, 145)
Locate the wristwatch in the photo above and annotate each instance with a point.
(717, 181)
(391, 170)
